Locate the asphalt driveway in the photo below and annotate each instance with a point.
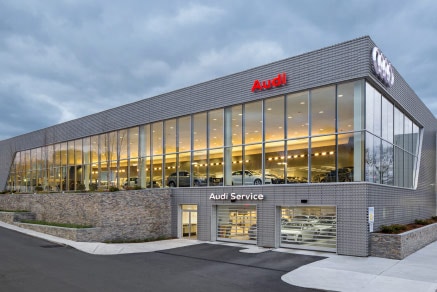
(28, 263)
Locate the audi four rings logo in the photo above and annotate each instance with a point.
(382, 67)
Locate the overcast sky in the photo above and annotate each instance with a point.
(64, 59)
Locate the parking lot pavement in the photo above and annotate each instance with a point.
(329, 271)
(418, 272)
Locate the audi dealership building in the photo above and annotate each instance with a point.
(310, 152)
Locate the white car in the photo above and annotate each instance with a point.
(249, 177)
(297, 232)
(325, 228)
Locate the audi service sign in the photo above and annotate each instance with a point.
(382, 67)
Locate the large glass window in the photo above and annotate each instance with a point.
(236, 177)
(323, 111)
(236, 125)
(200, 168)
(323, 154)
(215, 128)
(408, 135)
(253, 122)
(345, 107)
(157, 138)
(386, 168)
(216, 175)
(275, 162)
(262, 142)
(346, 158)
(399, 128)
(123, 143)
(297, 115)
(297, 161)
(373, 110)
(387, 120)
(199, 131)
(170, 136)
(184, 138)
(274, 119)
(252, 161)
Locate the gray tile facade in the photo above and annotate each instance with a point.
(346, 61)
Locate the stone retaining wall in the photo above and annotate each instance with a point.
(123, 215)
(11, 217)
(75, 234)
(399, 246)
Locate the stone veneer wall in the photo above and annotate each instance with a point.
(399, 246)
(12, 217)
(123, 215)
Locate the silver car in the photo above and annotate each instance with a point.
(249, 178)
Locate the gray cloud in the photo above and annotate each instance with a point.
(61, 60)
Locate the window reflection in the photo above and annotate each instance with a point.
(345, 157)
(387, 120)
(386, 168)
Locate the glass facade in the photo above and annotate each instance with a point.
(392, 143)
(339, 133)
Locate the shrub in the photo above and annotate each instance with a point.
(113, 189)
(81, 187)
(393, 229)
(93, 187)
(39, 189)
(133, 188)
(422, 221)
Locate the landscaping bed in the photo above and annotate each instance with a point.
(404, 239)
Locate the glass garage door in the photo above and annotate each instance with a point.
(236, 223)
(312, 228)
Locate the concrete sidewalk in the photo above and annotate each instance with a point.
(417, 273)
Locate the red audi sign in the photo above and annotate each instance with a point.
(279, 80)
